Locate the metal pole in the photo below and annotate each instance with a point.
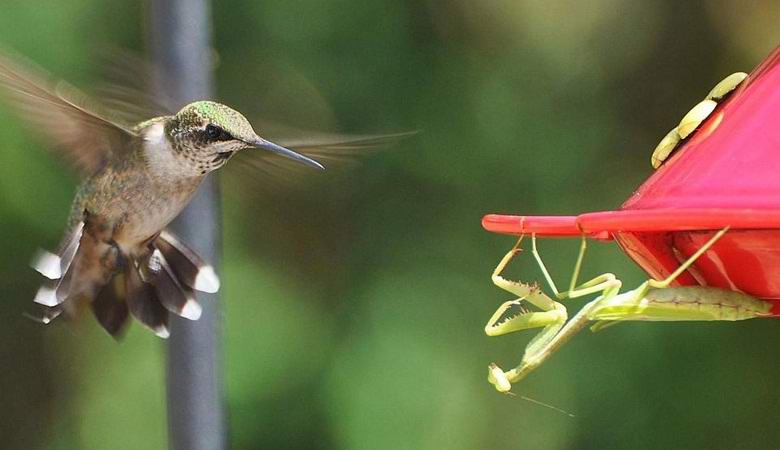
(180, 36)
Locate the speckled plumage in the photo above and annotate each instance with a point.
(139, 200)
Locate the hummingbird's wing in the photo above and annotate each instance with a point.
(84, 132)
(334, 151)
(128, 86)
(337, 147)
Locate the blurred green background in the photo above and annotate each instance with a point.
(354, 304)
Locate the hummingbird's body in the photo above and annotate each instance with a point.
(116, 254)
(140, 194)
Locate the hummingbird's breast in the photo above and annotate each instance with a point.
(135, 199)
(147, 213)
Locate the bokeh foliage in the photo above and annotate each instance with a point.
(354, 304)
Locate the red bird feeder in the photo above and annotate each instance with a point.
(727, 173)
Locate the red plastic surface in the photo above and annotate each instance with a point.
(542, 225)
(734, 165)
(726, 174)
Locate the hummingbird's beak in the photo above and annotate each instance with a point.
(262, 144)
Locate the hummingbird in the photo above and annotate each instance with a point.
(117, 255)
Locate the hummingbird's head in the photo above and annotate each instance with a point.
(209, 133)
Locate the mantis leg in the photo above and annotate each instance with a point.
(598, 284)
(653, 300)
(684, 266)
(608, 308)
(545, 344)
(627, 306)
(550, 318)
(552, 314)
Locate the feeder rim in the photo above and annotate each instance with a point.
(601, 225)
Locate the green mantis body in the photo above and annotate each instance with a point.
(653, 300)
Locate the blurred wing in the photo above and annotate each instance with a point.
(84, 132)
(335, 152)
(129, 87)
(342, 145)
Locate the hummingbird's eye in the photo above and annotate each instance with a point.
(216, 133)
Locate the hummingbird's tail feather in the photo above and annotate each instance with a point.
(173, 294)
(47, 264)
(91, 268)
(164, 280)
(55, 267)
(110, 308)
(96, 259)
(69, 247)
(45, 314)
(187, 266)
(80, 272)
(144, 304)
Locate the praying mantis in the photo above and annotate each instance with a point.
(653, 300)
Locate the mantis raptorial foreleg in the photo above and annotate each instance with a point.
(653, 300)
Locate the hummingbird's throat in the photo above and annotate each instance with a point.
(222, 157)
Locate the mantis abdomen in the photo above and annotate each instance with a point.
(682, 303)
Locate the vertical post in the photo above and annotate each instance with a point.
(180, 36)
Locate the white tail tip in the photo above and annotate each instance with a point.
(46, 296)
(207, 280)
(191, 310)
(162, 332)
(47, 264)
